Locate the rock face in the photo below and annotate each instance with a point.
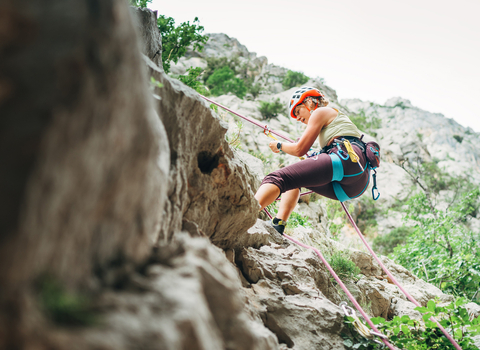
(150, 38)
(207, 185)
(84, 156)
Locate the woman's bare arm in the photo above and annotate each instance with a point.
(319, 118)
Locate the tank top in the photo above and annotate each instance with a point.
(340, 126)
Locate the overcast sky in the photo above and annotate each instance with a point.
(422, 50)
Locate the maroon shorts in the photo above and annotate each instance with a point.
(316, 174)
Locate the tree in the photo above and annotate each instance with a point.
(175, 40)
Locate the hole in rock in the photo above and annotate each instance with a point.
(207, 162)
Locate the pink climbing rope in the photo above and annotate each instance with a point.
(384, 268)
(264, 127)
(301, 194)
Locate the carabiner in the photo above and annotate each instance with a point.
(347, 310)
(374, 188)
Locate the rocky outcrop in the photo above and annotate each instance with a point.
(148, 33)
(207, 185)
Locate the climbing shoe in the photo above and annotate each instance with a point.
(278, 225)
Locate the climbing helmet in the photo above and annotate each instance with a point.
(299, 96)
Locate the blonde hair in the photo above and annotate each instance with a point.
(320, 100)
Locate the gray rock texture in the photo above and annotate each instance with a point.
(83, 154)
(148, 33)
(207, 184)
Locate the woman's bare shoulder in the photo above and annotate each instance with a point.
(325, 114)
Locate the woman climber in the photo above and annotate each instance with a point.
(338, 172)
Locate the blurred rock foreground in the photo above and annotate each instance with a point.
(129, 222)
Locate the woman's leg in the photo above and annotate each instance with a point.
(287, 203)
(266, 194)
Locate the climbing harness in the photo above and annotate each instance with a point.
(375, 164)
(337, 166)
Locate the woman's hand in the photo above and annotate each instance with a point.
(273, 146)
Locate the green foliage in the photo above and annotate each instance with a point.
(337, 218)
(175, 40)
(154, 83)
(440, 248)
(367, 213)
(293, 78)
(62, 307)
(270, 110)
(273, 208)
(297, 219)
(458, 138)
(410, 334)
(223, 81)
(140, 3)
(384, 244)
(233, 137)
(192, 79)
(255, 90)
(216, 63)
(366, 123)
(214, 107)
(343, 266)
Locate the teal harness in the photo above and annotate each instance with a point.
(339, 175)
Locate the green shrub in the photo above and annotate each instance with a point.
(343, 266)
(385, 244)
(223, 81)
(216, 63)
(410, 334)
(270, 110)
(458, 138)
(255, 90)
(297, 219)
(293, 78)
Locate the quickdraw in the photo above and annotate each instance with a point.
(363, 330)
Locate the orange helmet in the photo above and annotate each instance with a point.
(300, 95)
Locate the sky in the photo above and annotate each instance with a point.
(422, 50)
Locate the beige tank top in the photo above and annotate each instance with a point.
(340, 126)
